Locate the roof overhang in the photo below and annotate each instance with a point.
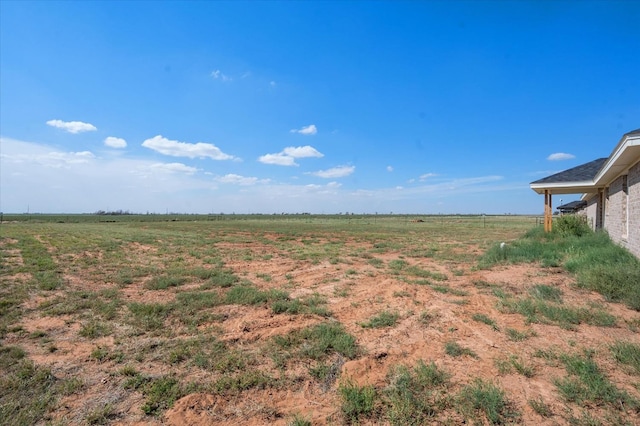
(564, 187)
(625, 155)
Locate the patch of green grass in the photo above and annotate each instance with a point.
(486, 399)
(94, 329)
(541, 311)
(414, 396)
(546, 292)
(220, 278)
(48, 280)
(102, 415)
(28, 391)
(250, 295)
(540, 407)
(357, 401)
(265, 277)
(627, 353)
(299, 420)
(485, 320)
(149, 316)
(597, 262)
(383, 319)
(313, 304)
(252, 379)
(519, 336)
(318, 341)
(374, 261)
(515, 363)
(163, 282)
(454, 349)
(207, 353)
(587, 384)
(160, 394)
(445, 289)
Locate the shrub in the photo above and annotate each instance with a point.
(572, 225)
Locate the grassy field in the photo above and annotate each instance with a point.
(301, 319)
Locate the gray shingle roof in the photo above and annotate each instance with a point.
(572, 206)
(580, 173)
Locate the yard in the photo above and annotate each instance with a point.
(297, 320)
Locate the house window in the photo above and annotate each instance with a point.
(625, 207)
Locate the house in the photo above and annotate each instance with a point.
(610, 188)
(572, 207)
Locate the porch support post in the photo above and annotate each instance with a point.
(548, 211)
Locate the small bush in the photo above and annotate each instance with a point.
(572, 225)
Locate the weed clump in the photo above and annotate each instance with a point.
(357, 401)
(481, 397)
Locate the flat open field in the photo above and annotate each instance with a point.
(300, 320)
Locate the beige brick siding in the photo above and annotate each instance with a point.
(591, 210)
(622, 211)
(633, 180)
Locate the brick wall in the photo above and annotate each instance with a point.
(622, 231)
(613, 216)
(633, 180)
(590, 211)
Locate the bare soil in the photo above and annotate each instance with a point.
(355, 290)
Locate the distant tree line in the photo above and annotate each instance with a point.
(113, 213)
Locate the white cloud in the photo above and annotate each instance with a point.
(174, 168)
(558, 156)
(389, 168)
(302, 152)
(277, 159)
(45, 158)
(72, 126)
(288, 155)
(307, 130)
(182, 149)
(336, 172)
(427, 176)
(240, 180)
(50, 181)
(218, 75)
(114, 142)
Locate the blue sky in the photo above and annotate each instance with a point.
(321, 107)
